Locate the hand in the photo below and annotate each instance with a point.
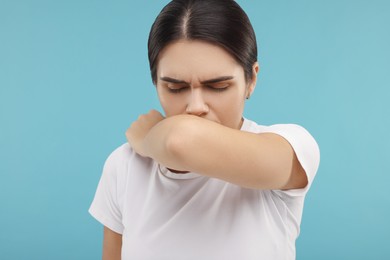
(138, 130)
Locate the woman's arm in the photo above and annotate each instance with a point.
(112, 245)
(185, 142)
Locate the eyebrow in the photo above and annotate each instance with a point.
(209, 81)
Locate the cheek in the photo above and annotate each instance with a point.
(229, 109)
(171, 105)
(163, 100)
(231, 102)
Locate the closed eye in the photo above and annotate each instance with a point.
(177, 90)
(217, 89)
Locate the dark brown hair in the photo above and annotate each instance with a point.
(220, 22)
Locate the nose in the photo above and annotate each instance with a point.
(196, 104)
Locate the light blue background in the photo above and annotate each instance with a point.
(74, 75)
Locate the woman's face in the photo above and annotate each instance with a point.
(202, 79)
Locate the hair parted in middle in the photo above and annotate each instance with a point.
(219, 22)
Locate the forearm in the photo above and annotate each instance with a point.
(199, 145)
(112, 245)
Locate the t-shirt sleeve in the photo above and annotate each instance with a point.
(306, 150)
(106, 206)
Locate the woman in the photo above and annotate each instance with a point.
(203, 182)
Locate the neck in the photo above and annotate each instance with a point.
(178, 172)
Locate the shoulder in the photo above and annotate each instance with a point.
(300, 139)
(122, 157)
(252, 126)
(294, 133)
(121, 153)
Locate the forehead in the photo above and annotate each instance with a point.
(196, 60)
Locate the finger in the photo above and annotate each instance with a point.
(155, 112)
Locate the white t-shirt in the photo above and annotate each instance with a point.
(162, 215)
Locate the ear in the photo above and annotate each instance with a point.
(252, 84)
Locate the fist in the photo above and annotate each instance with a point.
(138, 130)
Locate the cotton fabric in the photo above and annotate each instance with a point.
(164, 215)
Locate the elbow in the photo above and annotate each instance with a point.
(177, 142)
(173, 144)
